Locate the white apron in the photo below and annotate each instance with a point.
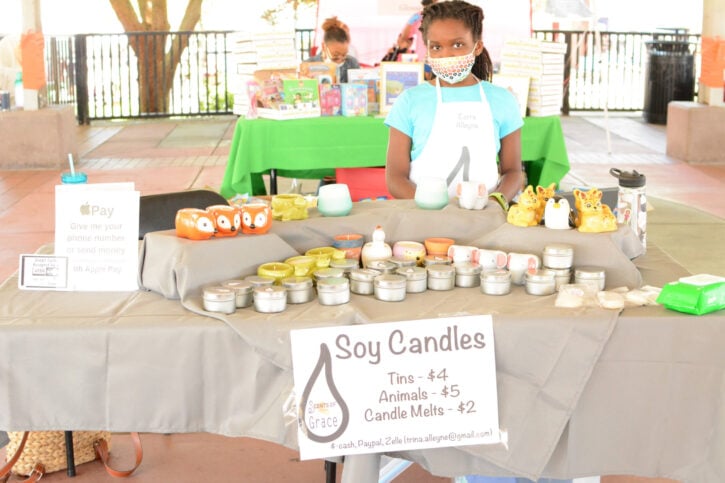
(461, 145)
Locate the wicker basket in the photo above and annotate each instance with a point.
(48, 448)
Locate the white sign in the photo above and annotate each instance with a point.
(43, 272)
(395, 386)
(96, 227)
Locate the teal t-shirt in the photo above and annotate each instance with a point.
(413, 111)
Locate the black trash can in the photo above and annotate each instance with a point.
(670, 76)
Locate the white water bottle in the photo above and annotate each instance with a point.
(632, 202)
(19, 92)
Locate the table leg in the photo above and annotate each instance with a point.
(272, 181)
(330, 471)
(70, 459)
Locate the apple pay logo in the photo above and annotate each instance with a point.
(95, 210)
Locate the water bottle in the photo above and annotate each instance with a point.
(19, 90)
(632, 202)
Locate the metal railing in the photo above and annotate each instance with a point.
(164, 74)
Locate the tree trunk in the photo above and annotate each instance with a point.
(157, 51)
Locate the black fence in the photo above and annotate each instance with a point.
(165, 74)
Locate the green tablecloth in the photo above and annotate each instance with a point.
(313, 147)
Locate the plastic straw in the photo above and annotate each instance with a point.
(72, 167)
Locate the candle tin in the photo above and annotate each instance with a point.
(242, 290)
(467, 274)
(270, 299)
(384, 266)
(346, 264)
(416, 278)
(361, 280)
(299, 289)
(562, 276)
(258, 281)
(329, 272)
(402, 262)
(390, 287)
(441, 277)
(436, 260)
(594, 276)
(558, 255)
(496, 282)
(219, 299)
(539, 282)
(333, 291)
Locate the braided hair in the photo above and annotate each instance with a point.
(472, 17)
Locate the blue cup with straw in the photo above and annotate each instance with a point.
(73, 177)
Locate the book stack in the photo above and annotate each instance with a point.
(252, 52)
(543, 63)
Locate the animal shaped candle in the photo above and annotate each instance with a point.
(227, 218)
(472, 195)
(376, 249)
(256, 218)
(194, 224)
(523, 213)
(544, 195)
(557, 213)
(592, 216)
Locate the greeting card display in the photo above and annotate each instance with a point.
(330, 99)
(354, 99)
(371, 78)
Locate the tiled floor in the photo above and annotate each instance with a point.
(170, 155)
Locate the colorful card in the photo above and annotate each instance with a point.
(354, 99)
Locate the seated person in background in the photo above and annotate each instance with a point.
(335, 48)
(402, 46)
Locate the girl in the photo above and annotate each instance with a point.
(335, 48)
(454, 126)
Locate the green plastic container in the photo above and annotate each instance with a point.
(697, 294)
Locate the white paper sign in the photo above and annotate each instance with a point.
(43, 272)
(395, 386)
(96, 227)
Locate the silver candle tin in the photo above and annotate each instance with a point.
(346, 264)
(384, 266)
(258, 281)
(436, 260)
(270, 299)
(219, 299)
(242, 290)
(558, 255)
(562, 276)
(402, 262)
(361, 280)
(467, 274)
(299, 289)
(441, 277)
(496, 282)
(594, 276)
(416, 278)
(323, 273)
(390, 287)
(539, 282)
(333, 291)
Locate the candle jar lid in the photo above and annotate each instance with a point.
(412, 273)
(589, 273)
(297, 283)
(559, 249)
(333, 284)
(390, 280)
(539, 276)
(403, 262)
(441, 271)
(239, 286)
(385, 266)
(364, 274)
(346, 264)
(270, 292)
(499, 275)
(258, 281)
(437, 260)
(330, 272)
(467, 268)
(219, 293)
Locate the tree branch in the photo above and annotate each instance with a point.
(126, 15)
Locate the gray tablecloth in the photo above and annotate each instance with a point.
(581, 391)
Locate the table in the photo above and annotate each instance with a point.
(323, 143)
(581, 391)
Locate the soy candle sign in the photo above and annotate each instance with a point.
(395, 386)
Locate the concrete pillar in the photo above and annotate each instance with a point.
(713, 18)
(31, 16)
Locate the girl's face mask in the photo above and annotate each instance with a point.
(453, 69)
